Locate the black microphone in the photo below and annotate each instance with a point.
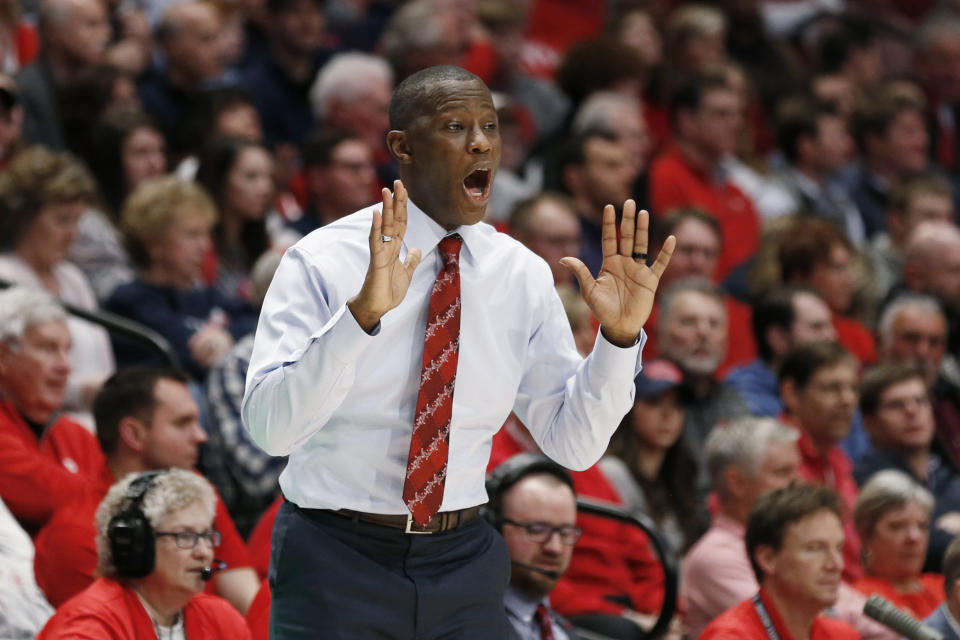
(550, 573)
(900, 621)
(206, 574)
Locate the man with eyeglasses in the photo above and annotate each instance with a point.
(898, 415)
(538, 521)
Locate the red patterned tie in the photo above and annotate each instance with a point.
(427, 461)
(542, 616)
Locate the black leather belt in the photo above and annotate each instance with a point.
(443, 521)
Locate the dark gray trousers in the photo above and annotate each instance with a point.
(336, 579)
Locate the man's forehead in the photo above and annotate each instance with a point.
(441, 95)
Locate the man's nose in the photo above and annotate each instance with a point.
(554, 544)
(479, 141)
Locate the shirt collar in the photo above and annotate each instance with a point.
(522, 605)
(425, 234)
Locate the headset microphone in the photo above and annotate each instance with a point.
(206, 574)
(550, 573)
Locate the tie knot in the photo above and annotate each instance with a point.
(450, 247)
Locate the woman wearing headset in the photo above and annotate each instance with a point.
(155, 548)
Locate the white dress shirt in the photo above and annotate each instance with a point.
(341, 402)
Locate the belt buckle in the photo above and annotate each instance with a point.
(411, 522)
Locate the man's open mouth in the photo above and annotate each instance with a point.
(477, 185)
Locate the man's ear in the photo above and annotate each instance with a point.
(779, 340)
(572, 178)
(766, 557)
(133, 434)
(399, 146)
(789, 395)
(5, 353)
(736, 481)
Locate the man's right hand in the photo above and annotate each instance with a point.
(387, 277)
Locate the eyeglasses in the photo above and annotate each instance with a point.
(542, 532)
(189, 539)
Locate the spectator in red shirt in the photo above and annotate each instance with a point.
(819, 384)
(155, 593)
(707, 115)
(146, 420)
(893, 519)
(794, 539)
(816, 253)
(699, 243)
(46, 460)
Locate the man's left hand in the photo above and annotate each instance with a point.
(621, 297)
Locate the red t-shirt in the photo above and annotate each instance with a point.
(743, 623)
(259, 541)
(65, 562)
(919, 604)
(674, 184)
(611, 559)
(258, 615)
(110, 609)
(38, 476)
(835, 471)
(856, 338)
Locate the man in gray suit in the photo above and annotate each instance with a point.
(945, 618)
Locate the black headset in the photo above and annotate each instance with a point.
(512, 471)
(132, 543)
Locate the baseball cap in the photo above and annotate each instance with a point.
(656, 377)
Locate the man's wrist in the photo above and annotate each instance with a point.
(367, 320)
(624, 341)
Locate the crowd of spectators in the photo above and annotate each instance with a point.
(158, 157)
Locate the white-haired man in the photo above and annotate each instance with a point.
(745, 460)
(46, 460)
(352, 93)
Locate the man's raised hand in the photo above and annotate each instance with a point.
(621, 297)
(387, 277)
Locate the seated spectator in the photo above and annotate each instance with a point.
(23, 609)
(944, 619)
(698, 246)
(913, 330)
(531, 499)
(819, 385)
(891, 135)
(237, 173)
(153, 590)
(338, 178)
(280, 80)
(898, 416)
(548, 225)
(649, 462)
(693, 336)
(816, 143)
(351, 93)
(781, 319)
(594, 170)
(815, 253)
(128, 149)
(46, 460)
(931, 262)
(173, 95)
(707, 117)
(243, 474)
(745, 460)
(167, 223)
(926, 197)
(794, 538)
(892, 515)
(67, 50)
(146, 421)
(42, 196)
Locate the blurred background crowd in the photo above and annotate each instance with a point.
(158, 156)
